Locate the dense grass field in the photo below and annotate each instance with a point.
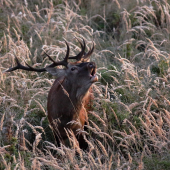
(129, 127)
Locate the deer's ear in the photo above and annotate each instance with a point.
(55, 71)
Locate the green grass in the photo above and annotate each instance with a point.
(156, 162)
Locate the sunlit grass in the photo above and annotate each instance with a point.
(129, 125)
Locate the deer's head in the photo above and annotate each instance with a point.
(78, 76)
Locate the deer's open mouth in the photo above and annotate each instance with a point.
(93, 76)
(93, 71)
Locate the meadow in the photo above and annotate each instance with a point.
(129, 126)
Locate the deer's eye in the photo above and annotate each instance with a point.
(73, 68)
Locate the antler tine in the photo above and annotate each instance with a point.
(49, 57)
(30, 68)
(80, 55)
(16, 67)
(22, 67)
(64, 62)
(87, 55)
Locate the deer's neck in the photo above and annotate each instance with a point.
(71, 92)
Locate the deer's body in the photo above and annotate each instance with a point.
(64, 105)
(70, 96)
(67, 112)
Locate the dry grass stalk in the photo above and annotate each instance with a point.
(115, 116)
(53, 147)
(23, 94)
(90, 145)
(50, 163)
(102, 148)
(38, 138)
(41, 107)
(22, 144)
(4, 162)
(95, 126)
(35, 164)
(98, 117)
(2, 121)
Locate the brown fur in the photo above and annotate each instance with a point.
(66, 109)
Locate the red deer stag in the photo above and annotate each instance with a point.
(69, 97)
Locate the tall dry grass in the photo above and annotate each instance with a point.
(129, 125)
